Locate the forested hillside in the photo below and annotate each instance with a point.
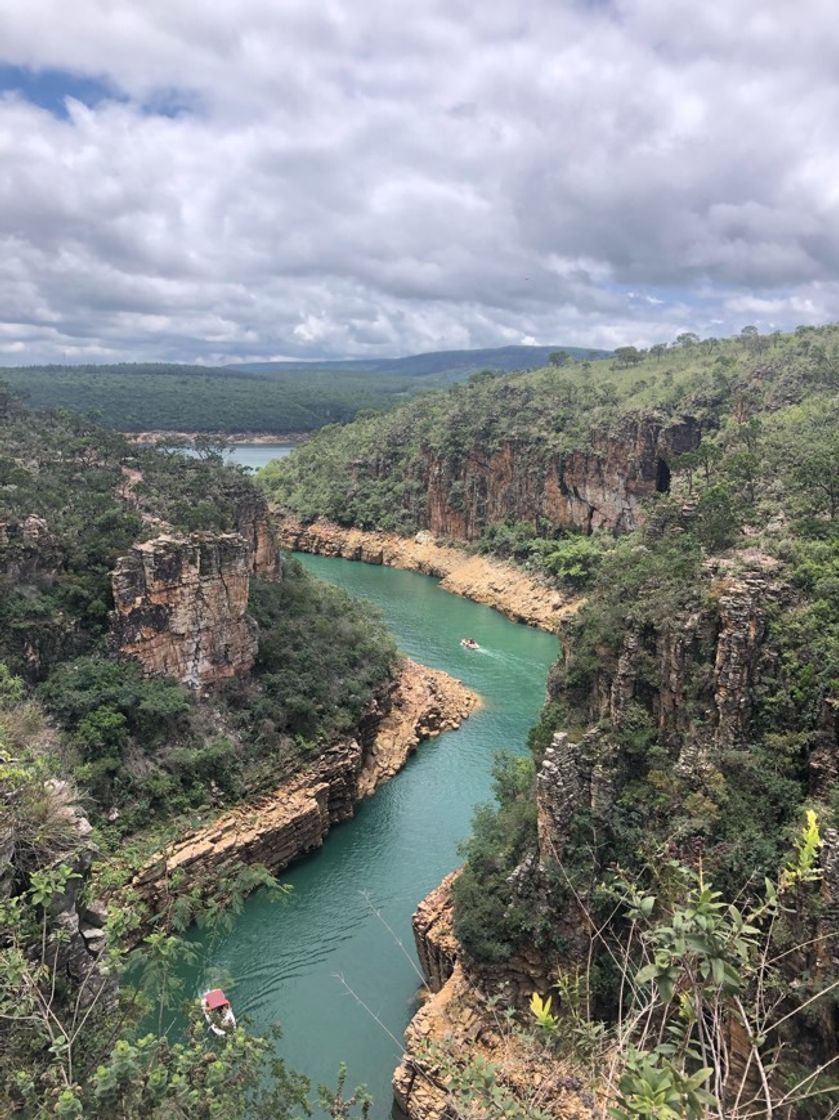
(523, 464)
(276, 397)
(73, 499)
(447, 365)
(136, 398)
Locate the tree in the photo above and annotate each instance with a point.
(686, 339)
(559, 358)
(628, 356)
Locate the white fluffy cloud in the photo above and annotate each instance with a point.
(289, 179)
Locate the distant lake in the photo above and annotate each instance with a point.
(256, 455)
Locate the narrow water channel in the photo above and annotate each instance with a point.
(282, 962)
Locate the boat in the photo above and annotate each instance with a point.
(469, 643)
(218, 1012)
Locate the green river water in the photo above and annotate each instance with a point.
(282, 961)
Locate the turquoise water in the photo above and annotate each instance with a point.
(256, 455)
(284, 962)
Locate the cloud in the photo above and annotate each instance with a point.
(250, 179)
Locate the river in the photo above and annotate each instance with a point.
(256, 455)
(282, 961)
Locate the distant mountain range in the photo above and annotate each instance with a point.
(438, 362)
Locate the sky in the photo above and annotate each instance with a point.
(254, 179)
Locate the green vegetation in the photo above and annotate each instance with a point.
(276, 397)
(698, 692)
(88, 740)
(697, 972)
(144, 749)
(375, 473)
(74, 1026)
(751, 513)
(74, 497)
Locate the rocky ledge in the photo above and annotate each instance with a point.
(295, 818)
(517, 595)
(425, 703)
(457, 1023)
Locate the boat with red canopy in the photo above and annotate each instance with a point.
(218, 1012)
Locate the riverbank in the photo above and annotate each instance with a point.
(255, 438)
(519, 596)
(294, 819)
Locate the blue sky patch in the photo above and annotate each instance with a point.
(48, 88)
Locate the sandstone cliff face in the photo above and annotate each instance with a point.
(295, 819)
(599, 487)
(510, 590)
(457, 1024)
(272, 831)
(253, 522)
(424, 703)
(180, 607)
(706, 665)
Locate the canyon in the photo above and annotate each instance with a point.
(516, 594)
(458, 1023)
(279, 827)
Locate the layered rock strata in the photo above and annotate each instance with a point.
(517, 595)
(598, 486)
(457, 1024)
(295, 818)
(180, 607)
(254, 523)
(425, 703)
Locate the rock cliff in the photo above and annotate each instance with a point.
(425, 703)
(596, 487)
(254, 523)
(513, 592)
(457, 1024)
(294, 819)
(180, 607)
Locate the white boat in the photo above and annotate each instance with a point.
(218, 1012)
(469, 643)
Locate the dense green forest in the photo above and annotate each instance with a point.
(666, 853)
(279, 397)
(69, 475)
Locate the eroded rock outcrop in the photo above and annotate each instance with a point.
(516, 594)
(294, 819)
(743, 624)
(457, 1024)
(424, 703)
(180, 607)
(599, 486)
(254, 523)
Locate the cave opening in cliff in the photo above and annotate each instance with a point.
(662, 477)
